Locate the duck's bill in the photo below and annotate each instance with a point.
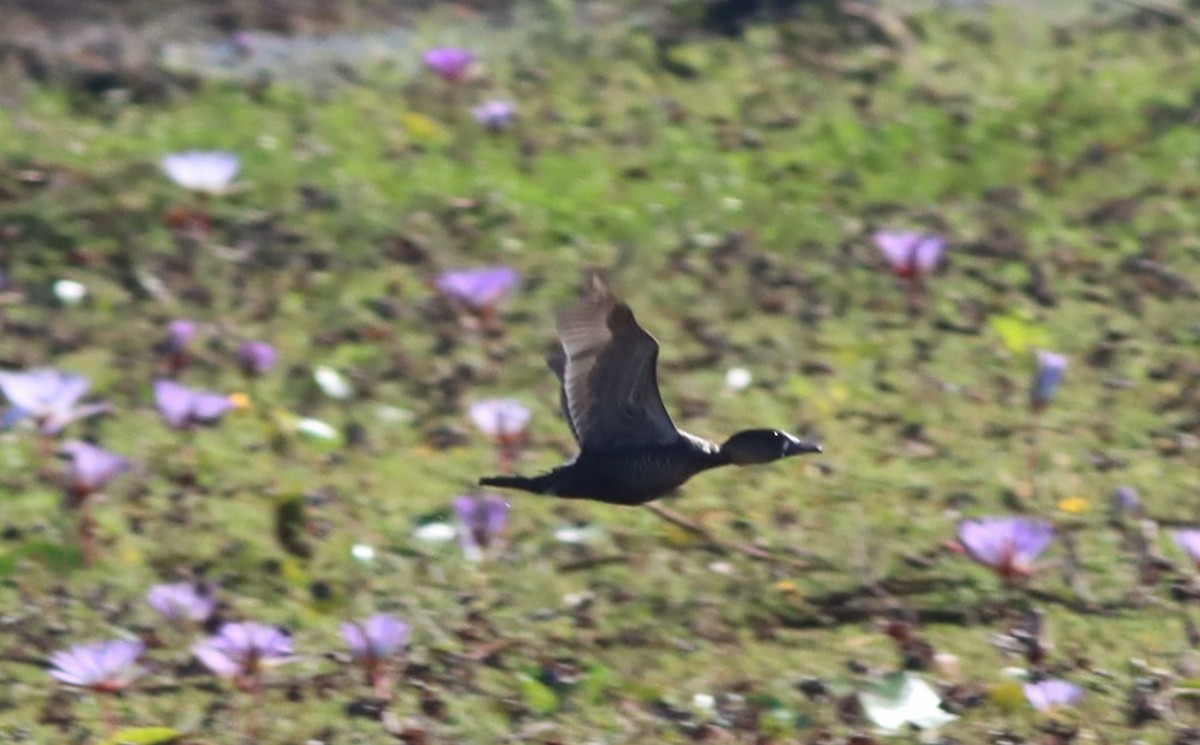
(799, 447)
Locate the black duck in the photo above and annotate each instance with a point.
(630, 452)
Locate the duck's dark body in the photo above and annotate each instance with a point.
(629, 477)
(629, 450)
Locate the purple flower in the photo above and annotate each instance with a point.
(495, 116)
(242, 649)
(1189, 541)
(478, 288)
(50, 397)
(180, 333)
(502, 419)
(104, 667)
(91, 467)
(184, 601)
(1125, 501)
(1009, 545)
(184, 407)
(451, 63)
(1046, 379)
(911, 255)
(256, 358)
(374, 640)
(481, 521)
(206, 171)
(1051, 694)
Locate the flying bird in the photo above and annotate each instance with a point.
(630, 452)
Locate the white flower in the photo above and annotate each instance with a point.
(198, 170)
(332, 383)
(69, 292)
(738, 378)
(903, 699)
(436, 532)
(316, 429)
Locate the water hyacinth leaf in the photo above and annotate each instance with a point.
(58, 559)
(1009, 695)
(422, 128)
(774, 715)
(145, 736)
(903, 700)
(539, 697)
(596, 683)
(678, 536)
(290, 527)
(801, 387)
(294, 572)
(1017, 333)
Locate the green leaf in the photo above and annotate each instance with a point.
(594, 685)
(538, 696)
(290, 526)
(56, 558)
(145, 736)
(1019, 334)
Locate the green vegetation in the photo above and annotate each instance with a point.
(735, 198)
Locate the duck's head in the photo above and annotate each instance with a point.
(752, 446)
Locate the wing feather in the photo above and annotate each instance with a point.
(609, 375)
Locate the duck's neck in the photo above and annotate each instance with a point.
(710, 453)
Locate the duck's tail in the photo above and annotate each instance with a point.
(535, 484)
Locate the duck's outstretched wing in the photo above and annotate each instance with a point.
(609, 375)
(557, 361)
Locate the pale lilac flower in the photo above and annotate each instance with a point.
(184, 407)
(1009, 545)
(1046, 379)
(256, 358)
(481, 522)
(91, 467)
(50, 397)
(374, 640)
(911, 255)
(180, 333)
(450, 63)
(1125, 501)
(478, 288)
(184, 601)
(502, 419)
(1051, 694)
(241, 650)
(495, 116)
(205, 171)
(1189, 541)
(103, 667)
